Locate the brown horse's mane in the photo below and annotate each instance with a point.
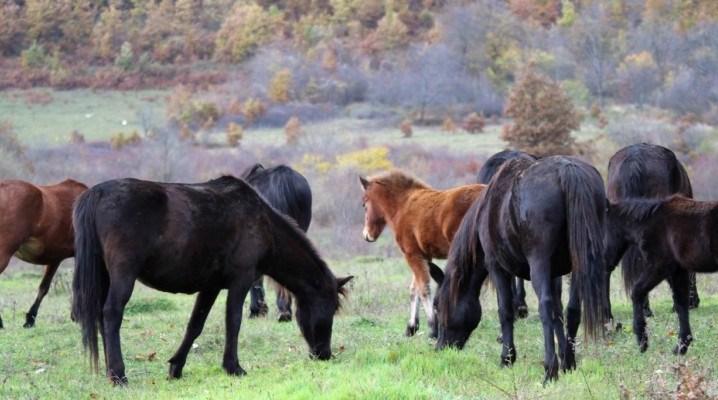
(397, 181)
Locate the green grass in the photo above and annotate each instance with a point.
(97, 114)
(373, 358)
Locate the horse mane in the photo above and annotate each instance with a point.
(251, 171)
(492, 165)
(396, 180)
(638, 210)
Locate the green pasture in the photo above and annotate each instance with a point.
(373, 360)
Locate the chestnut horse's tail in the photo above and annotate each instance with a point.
(91, 280)
(585, 204)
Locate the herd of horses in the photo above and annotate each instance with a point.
(526, 218)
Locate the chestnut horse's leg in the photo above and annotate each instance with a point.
(421, 292)
(119, 292)
(521, 309)
(650, 278)
(284, 303)
(680, 285)
(202, 305)
(235, 300)
(413, 324)
(50, 270)
(257, 305)
(504, 296)
(543, 285)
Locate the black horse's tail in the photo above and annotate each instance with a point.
(91, 281)
(584, 214)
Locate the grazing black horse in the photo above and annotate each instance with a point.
(289, 193)
(645, 171)
(538, 220)
(675, 236)
(186, 239)
(490, 167)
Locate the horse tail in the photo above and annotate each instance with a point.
(436, 273)
(631, 267)
(91, 280)
(585, 203)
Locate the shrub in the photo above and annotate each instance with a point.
(76, 137)
(121, 140)
(367, 160)
(34, 56)
(473, 123)
(246, 28)
(406, 129)
(280, 86)
(293, 130)
(234, 134)
(13, 160)
(186, 111)
(253, 109)
(125, 58)
(448, 126)
(543, 117)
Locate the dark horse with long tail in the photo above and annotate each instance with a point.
(675, 236)
(487, 171)
(537, 220)
(289, 193)
(36, 227)
(645, 171)
(198, 238)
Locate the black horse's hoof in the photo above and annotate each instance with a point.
(260, 312)
(508, 357)
(283, 317)
(235, 370)
(647, 312)
(643, 345)
(29, 321)
(175, 371)
(522, 311)
(118, 380)
(550, 375)
(569, 362)
(694, 303)
(682, 346)
(411, 330)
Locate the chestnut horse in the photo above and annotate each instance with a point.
(424, 221)
(36, 227)
(675, 236)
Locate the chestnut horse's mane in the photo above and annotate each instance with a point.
(397, 180)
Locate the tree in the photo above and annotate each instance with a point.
(244, 30)
(638, 77)
(543, 117)
(280, 87)
(107, 35)
(12, 28)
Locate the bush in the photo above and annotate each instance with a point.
(125, 58)
(121, 140)
(406, 129)
(543, 117)
(252, 110)
(293, 130)
(448, 126)
(246, 28)
(186, 111)
(367, 160)
(280, 86)
(234, 134)
(34, 56)
(76, 138)
(473, 123)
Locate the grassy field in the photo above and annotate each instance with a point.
(372, 357)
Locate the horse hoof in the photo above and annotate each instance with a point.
(619, 327)
(235, 370)
(550, 376)
(285, 317)
(29, 324)
(522, 311)
(643, 346)
(411, 330)
(175, 371)
(118, 380)
(647, 312)
(693, 304)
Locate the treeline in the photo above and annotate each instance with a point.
(418, 54)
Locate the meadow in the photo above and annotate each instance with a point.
(372, 359)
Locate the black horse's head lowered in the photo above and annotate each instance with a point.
(198, 238)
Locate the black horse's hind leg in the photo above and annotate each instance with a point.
(680, 285)
(567, 359)
(693, 299)
(573, 320)
(649, 279)
(117, 296)
(202, 305)
(235, 299)
(257, 305)
(504, 297)
(50, 270)
(521, 309)
(284, 304)
(542, 283)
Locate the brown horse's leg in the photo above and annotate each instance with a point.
(233, 319)
(118, 295)
(680, 285)
(650, 278)
(50, 270)
(4, 261)
(202, 305)
(420, 292)
(284, 303)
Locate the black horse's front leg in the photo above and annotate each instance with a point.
(680, 285)
(202, 305)
(117, 297)
(650, 277)
(505, 300)
(233, 319)
(521, 309)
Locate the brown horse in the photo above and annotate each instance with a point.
(36, 227)
(424, 221)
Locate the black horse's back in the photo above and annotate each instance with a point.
(492, 165)
(285, 189)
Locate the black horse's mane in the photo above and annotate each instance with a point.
(492, 165)
(638, 210)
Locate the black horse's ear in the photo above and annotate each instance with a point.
(343, 281)
(364, 182)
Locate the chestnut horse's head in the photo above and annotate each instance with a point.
(374, 219)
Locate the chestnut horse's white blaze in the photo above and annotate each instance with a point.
(424, 221)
